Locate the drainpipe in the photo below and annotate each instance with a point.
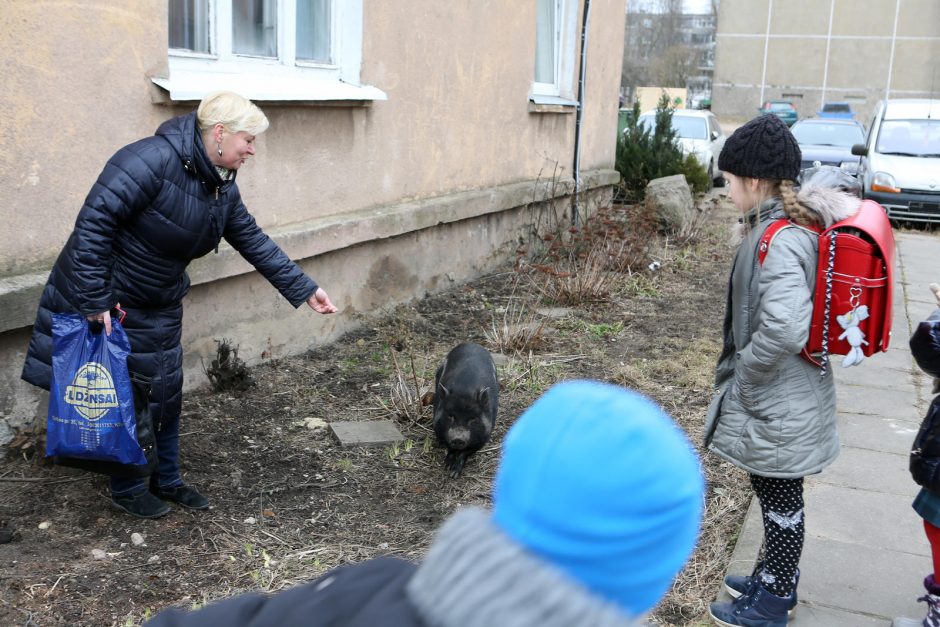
(578, 113)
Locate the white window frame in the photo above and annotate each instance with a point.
(192, 75)
(561, 90)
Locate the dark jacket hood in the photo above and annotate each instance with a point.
(182, 133)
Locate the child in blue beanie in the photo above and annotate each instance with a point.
(596, 506)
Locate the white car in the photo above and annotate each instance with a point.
(698, 133)
(900, 165)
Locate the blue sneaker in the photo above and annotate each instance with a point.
(736, 585)
(757, 608)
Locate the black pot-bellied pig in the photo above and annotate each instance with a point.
(466, 398)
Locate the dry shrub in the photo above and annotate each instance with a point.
(579, 266)
(576, 279)
(518, 331)
(691, 230)
(228, 372)
(410, 393)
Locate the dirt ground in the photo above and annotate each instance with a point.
(289, 503)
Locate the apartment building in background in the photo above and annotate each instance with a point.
(816, 51)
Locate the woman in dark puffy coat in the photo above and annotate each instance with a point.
(158, 204)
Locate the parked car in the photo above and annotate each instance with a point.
(828, 142)
(699, 134)
(837, 110)
(783, 109)
(900, 159)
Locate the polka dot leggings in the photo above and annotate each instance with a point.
(781, 503)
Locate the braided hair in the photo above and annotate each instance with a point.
(794, 210)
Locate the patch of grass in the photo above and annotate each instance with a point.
(529, 373)
(605, 330)
(640, 285)
(132, 621)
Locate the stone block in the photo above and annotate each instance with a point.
(670, 199)
(365, 433)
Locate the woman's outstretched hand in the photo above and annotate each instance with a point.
(321, 303)
(936, 292)
(104, 318)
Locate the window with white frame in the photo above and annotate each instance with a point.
(304, 50)
(555, 38)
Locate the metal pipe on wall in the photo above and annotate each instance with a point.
(585, 24)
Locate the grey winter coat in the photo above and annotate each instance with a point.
(774, 415)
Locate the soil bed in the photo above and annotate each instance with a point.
(289, 503)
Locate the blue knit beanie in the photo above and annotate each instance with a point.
(598, 481)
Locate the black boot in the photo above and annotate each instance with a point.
(183, 495)
(142, 505)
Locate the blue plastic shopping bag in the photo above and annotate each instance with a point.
(91, 403)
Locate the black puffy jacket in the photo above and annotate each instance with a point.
(158, 204)
(925, 345)
(361, 595)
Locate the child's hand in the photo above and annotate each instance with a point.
(936, 292)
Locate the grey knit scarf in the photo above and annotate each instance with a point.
(476, 576)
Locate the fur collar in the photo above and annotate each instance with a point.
(831, 205)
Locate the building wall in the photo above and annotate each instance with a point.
(379, 203)
(811, 51)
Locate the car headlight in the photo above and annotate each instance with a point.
(850, 166)
(884, 182)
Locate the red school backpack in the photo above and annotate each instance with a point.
(854, 282)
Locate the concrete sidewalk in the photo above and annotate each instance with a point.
(866, 554)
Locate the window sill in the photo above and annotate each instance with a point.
(188, 86)
(551, 104)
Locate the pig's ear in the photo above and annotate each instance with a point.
(483, 396)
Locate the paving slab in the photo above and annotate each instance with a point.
(860, 579)
(885, 521)
(888, 435)
(366, 432)
(871, 375)
(897, 357)
(900, 402)
(869, 470)
(806, 615)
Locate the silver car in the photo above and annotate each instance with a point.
(698, 133)
(900, 159)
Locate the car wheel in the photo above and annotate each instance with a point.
(717, 182)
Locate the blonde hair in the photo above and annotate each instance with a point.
(791, 206)
(232, 111)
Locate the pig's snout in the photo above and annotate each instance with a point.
(458, 437)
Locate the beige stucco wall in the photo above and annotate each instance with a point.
(427, 188)
(859, 53)
(456, 118)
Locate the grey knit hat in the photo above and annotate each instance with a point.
(764, 148)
